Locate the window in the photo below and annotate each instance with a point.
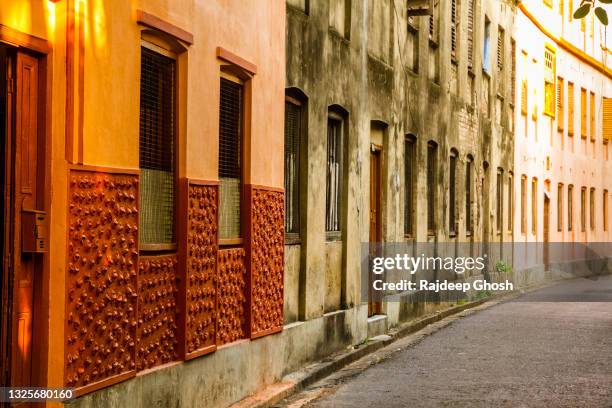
(583, 209)
(468, 195)
(570, 207)
(409, 176)
(570, 108)
(605, 210)
(470, 33)
(432, 148)
(592, 208)
(230, 159)
(501, 48)
(524, 96)
(607, 120)
(510, 203)
(413, 43)
(486, 57)
(434, 22)
(500, 200)
(523, 204)
(583, 113)
(592, 112)
(560, 207)
(335, 170)
(340, 17)
(452, 197)
(549, 81)
(293, 133)
(513, 73)
(560, 96)
(454, 27)
(157, 150)
(534, 205)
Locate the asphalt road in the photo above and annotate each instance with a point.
(550, 348)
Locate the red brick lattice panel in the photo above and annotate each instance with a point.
(157, 341)
(267, 264)
(101, 278)
(231, 296)
(201, 266)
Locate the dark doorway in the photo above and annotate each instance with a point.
(375, 304)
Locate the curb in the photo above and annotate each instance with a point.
(299, 380)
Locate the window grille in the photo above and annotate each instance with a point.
(468, 196)
(292, 166)
(570, 207)
(157, 151)
(409, 175)
(333, 195)
(452, 216)
(431, 181)
(230, 159)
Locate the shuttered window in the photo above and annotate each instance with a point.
(570, 207)
(523, 204)
(454, 27)
(534, 206)
(499, 205)
(607, 119)
(605, 210)
(501, 48)
(434, 22)
(513, 73)
(583, 113)
(570, 108)
(157, 150)
(293, 118)
(230, 159)
(452, 197)
(470, 33)
(468, 195)
(592, 208)
(592, 117)
(583, 209)
(560, 97)
(549, 81)
(333, 195)
(560, 207)
(524, 95)
(431, 182)
(409, 176)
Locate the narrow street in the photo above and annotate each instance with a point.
(549, 348)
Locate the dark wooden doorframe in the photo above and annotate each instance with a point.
(376, 152)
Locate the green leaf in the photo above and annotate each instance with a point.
(582, 11)
(606, 1)
(601, 15)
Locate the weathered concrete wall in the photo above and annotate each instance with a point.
(396, 78)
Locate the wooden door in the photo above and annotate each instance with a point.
(546, 231)
(22, 184)
(374, 304)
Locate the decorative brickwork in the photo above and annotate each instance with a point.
(101, 277)
(157, 341)
(201, 265)
(231, 291)
(267, 263)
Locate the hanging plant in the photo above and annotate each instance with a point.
(587, 5)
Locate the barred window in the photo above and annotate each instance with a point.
(333, 192)
(409, 176)
(157, 150)
(293, 119)
(432, 148)
(452, 200)
(570, 207)
(500, 200)
(230, 158)
(468, 195)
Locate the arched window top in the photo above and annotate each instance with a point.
(454, 152)
(432, 144)
(469, 157)
(297, 94)
(338, 110)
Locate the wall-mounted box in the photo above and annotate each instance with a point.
(34, 231)
(419, 7)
